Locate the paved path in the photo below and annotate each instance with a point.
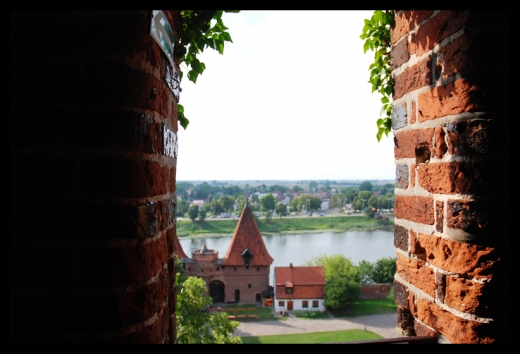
(382, 324)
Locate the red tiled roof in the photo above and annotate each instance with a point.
(307, 282)
(300, 275)
(178, 248)
(247, 235)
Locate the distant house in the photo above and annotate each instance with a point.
(299, 288)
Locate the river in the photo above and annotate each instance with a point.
(298, 248)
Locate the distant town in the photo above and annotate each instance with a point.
(226, 198)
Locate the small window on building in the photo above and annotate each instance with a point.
(249, 286)
(223, 267)
(247, 266)
(281, 303)
(315, 304)
(189, 268)
(288, 290)
(235, 269)
(202, 270)
(305, 304)
(218, 269)
(257, 269)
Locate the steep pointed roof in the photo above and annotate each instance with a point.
(178, 248)
(247, 236)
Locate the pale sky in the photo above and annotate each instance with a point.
(289, 99)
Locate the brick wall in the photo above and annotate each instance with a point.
(451, 127)
(375, 291)
(92, 191)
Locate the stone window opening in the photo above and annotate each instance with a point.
(305, 304)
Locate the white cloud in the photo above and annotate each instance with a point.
(289, 99)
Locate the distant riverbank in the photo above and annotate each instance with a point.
(286, 225)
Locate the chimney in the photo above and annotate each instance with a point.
(290, 265)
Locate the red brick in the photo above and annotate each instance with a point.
(399, 55)
(421, 330)
(436, 29)
(456, 57)
(439, 216)
(413, 78)
(457, 330)
(415, 247)
(465, 295)
(452, 177)
(119, 177)
(470, 137)
(439, 143)
(401, 237)
(457, 257)
(414, 112)
(409, 142)
(474, 217)
(454, 98)
(416, 272)
(405, 21)
(415, 208)
(122, 266)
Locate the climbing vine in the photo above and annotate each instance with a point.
(198, 30)
(376, 36)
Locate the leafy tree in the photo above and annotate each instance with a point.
(296, 205)
(227, 202)
(240, 202)
(197, 327)
(351, 193)
(313, 185)
(268, 202)
(366, 269)
(182, 207)
(216, 207)
(366, 186)
(297, 189)
(342, 279)
(313, 204)
(384, 270)
(202, 214)
(369, 212)
(193, 212)
(281, 210)
(254, 198)
(357, 204)
(365, 195)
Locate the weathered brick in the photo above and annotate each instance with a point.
(415, 208)
(405, 322)
(440, 146)
(405, 21)
(457, 330)
(456, 57)
(402, 295)
(399, 116)
(457, 257)
(466, 295)
(399, 54)
(469, 137)
(413, 143)
(414, 112)
(413, 78)
(474, 217)
(401, 237)
(401, 176)
(440, 283)
(415, 247)
(453, 98)
(437, 28)
(122, 266)
(439, 215)
(421, 330)
(416, 272)
(453, 177)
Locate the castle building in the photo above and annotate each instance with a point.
(243, 273)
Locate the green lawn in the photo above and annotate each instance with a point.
(366, 307)
(277, 225)
(264, 313)
(313, 338)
